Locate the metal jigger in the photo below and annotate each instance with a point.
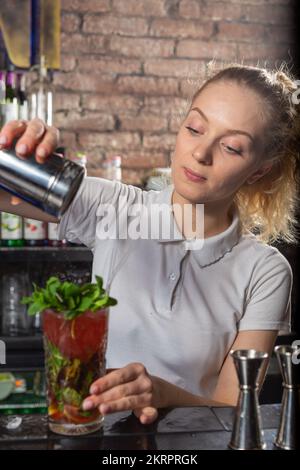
(247, 430)
(288, 436)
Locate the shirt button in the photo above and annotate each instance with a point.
(172, 277)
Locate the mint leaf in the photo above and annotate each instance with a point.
(68, 298)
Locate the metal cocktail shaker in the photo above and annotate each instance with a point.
(50, 186)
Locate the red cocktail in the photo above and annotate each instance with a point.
(74, 358)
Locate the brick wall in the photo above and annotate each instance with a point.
(130, 66)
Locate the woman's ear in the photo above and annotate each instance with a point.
(263, 170)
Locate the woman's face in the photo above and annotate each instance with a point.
(220, 141)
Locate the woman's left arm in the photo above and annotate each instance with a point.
(227, 389)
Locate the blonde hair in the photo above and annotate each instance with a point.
(268, 206)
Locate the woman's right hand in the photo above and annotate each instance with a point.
(30, 137)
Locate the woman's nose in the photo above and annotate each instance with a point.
(202, 154)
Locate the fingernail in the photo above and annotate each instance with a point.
(94, 389)
(3, 140)
(21, 124)
(22, 149)
(41, 153)
(104, 409)
(87, 405)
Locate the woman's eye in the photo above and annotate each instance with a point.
(192, 130)
(232, 150)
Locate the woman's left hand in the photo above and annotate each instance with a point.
(128, 388)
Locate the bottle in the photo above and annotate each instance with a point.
(35, 232)
(22, 97)
(113, 170)
(11, 98)
(53, 235)
(41, 96)
(11, 230)
(2, 97)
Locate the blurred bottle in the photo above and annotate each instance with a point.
(11, 111)
(22, 97)
(41, 95)
(15, 320)
(11, 230)
(35, 232)
(112, 166)
(2, 97)
(53, 235)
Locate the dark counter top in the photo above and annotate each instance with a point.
(191, 428)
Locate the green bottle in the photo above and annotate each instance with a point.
(11, 230)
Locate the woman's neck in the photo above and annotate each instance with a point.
(217, 218)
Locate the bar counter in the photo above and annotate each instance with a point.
(192, 428)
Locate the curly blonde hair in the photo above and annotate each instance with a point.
(268, 206)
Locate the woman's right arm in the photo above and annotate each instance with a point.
(29, 137)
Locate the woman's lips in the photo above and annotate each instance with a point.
(193, 176)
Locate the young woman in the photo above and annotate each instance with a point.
(180, 311)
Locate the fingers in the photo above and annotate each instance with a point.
(137, 387)
(11, 131)
(27, 144)
(117, 377)
(146, 415)
(32, 137)
(48, 144)
(126, 403)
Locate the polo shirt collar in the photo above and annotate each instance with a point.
(212, 248)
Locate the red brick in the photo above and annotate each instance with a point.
(114, 65)
(74, 81)
(140, 7)
(259, 2)
(70, 22)
(65, 101)
(80, 43)
(181, 28)
(174, 67)
(280, 34)
(164, 105)
(97, 6)
(144, 159)
(206, 50)
(67, 139)
(84, 121)
(265, 13)
(129, 26)
(112, 103)
(240, 32)
(142, 47)
(147, 85)
(190, 9)
(142, 122)
(110, 140)
(67, 63)
(159, 142)
(265, 52)
(217, 11)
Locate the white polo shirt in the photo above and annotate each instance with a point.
(178, 310)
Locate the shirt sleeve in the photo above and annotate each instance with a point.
(268, 303)
(78, 224)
